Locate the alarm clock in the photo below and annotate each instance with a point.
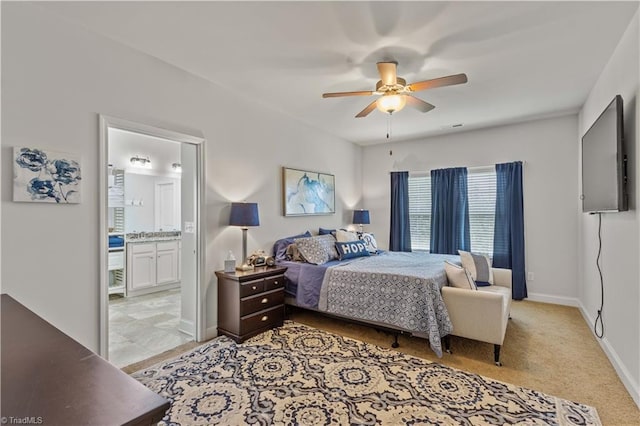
(271, 261)
(259, 261)
(259, 258)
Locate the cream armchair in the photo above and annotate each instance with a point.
(483, 314)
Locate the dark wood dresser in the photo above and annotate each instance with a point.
(48, 378)
(250, 302)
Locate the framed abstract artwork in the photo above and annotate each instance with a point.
(308, 193)
(44, 176)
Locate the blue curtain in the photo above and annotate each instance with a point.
(508, 237)
(449, 211)
(400, 235)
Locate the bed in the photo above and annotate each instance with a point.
(396, 291)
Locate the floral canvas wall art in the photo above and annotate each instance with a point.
(45, 176)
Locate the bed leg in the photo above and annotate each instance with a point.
(395, 343)
(287, 311)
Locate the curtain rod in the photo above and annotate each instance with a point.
(468, 168)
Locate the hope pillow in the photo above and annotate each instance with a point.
(352, 249)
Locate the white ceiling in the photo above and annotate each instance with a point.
(524, 60)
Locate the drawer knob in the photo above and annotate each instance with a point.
(264, 318)
(275, 282)
(265, 300)
(254, 288)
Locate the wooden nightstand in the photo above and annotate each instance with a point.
(250, 302)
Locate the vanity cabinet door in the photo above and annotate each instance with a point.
(167, 260)
(142, 266)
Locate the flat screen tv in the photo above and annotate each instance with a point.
(604, 168)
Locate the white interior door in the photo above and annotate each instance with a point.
(189, 249)
(166, 207)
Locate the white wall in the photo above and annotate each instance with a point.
(548, 150)
(620, 231)
(163, 153)
(56, 79)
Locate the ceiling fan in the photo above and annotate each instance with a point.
(395, 93)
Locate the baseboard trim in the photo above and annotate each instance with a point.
(627, 380)
(187, 327)
(556, 300)
(211, 332)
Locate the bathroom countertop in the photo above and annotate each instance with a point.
(151, 239)
(146, 237)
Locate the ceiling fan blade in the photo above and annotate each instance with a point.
(419, 103)
(339, 94)
(438, 82)
(367, 110)
(388, 74)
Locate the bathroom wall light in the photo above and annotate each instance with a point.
(177, 167)
(142, 161)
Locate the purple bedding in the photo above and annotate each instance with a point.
(304, 281)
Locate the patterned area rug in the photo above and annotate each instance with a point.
(300, 375)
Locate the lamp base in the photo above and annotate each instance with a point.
(244, 267)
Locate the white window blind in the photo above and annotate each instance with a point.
(420, 211)
(481, 191)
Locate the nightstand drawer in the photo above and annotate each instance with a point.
(251, 287)
(261, 301)
(273, 283)
(262, 319)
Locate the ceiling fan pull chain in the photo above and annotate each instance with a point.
(389, 126)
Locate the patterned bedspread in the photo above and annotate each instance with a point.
(396, 288)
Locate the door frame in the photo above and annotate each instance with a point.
(196, 139)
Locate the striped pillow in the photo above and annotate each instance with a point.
(478, 266)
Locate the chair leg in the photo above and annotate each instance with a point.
(496, 355)
(447, 343)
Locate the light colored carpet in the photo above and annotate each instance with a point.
(297, 374)
(547, 347)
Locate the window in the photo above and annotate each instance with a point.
(420, 211)
(481, 193)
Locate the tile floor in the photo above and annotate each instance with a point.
(143, 326)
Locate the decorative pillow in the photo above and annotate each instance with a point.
(479, 266)
(318, 250)
(280, 246)
(293, 253)
(458, 277)
(352, 249)
(369, 242)
(346, 236)
(323, 231)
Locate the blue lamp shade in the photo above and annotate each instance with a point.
(244, 214)
(361, 217)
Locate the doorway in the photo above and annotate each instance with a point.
(151, 243)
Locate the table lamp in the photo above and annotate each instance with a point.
(361, 217)
(244, 215)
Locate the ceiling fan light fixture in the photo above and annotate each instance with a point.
(391, 103)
